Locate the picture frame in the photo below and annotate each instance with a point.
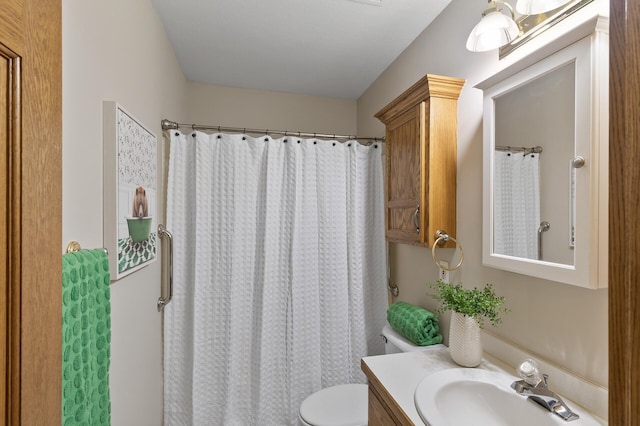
(130, 190)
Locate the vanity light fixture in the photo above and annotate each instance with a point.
(535, 7)
(495, 29)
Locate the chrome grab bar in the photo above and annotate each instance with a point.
(544, 227)
(163, 301)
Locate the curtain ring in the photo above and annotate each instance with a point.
(441, 238)
(218, 129)
(193, 127)
(285, 132)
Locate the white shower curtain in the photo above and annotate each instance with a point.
(279, 274)
(516, 208)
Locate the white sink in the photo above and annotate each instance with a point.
(469, 396)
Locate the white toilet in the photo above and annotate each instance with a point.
(347, 405)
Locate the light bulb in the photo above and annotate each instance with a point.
(495, 29)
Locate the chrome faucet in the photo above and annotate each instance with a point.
(535, 387)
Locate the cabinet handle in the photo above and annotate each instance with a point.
(415, 219)
(578, 162)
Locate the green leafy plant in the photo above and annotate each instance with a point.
(475, 303)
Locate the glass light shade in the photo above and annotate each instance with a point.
(494, 30)
(535, 7)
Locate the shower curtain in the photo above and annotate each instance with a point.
(279, 274)
(516, 208)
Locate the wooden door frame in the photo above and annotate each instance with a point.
(32, 34)
(624, 213)
(41, 229)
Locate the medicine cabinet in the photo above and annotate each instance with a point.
(545, 182)
(421, 157)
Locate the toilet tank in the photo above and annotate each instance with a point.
(395, 343)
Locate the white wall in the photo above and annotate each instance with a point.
(562, 324)
(117, 50)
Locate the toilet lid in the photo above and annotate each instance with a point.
(342, 405)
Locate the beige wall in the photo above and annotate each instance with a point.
(258, 109)
(117, 50)
(562, 324)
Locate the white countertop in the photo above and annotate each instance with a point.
(401, 373)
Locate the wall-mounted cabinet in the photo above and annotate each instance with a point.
(421, 158)
(550, 219)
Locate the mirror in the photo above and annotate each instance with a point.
(545, 165)
(534, 145)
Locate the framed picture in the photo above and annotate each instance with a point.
(130, 191)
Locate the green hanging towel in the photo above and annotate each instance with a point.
(86, 338)
(414, 323)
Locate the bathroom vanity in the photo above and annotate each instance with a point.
(394, 379)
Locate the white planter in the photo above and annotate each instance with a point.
(465, 345)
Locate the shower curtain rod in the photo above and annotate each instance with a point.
(533, 150)
(172, 125)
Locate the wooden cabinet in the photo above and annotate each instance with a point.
(383, 409)
(379, 413)
(421, 157)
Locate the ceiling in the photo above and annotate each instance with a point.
(333, 48)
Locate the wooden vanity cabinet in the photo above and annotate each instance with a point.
(421, 158)
(383, 409)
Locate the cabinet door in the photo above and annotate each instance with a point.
(378, 414)
(405, 180)
(559, 103)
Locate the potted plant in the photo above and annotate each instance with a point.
(470, 307)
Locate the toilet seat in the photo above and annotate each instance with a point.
(341, 405)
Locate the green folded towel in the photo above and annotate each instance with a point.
(414, 323)
(86, 337)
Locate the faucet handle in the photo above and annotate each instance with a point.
(529, 371)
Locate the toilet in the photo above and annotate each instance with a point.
(347, 405)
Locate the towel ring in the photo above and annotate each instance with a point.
(441, 238)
